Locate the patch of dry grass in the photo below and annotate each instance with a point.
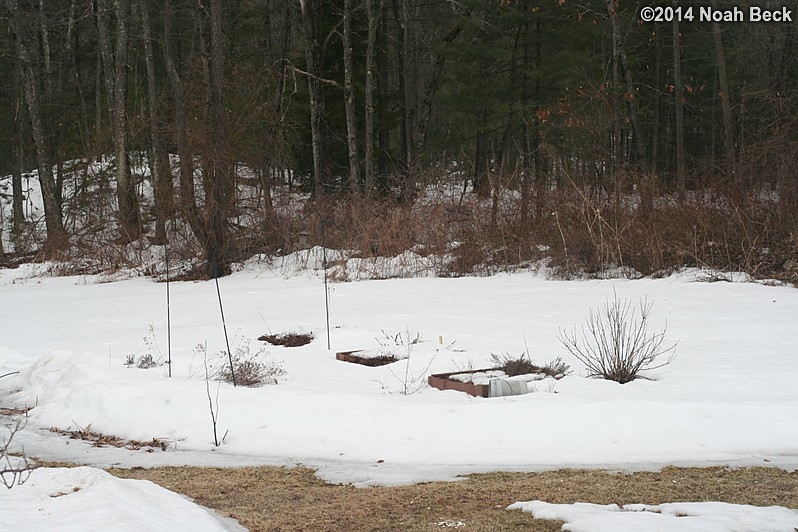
(282, 499)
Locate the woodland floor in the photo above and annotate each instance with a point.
(294, 499)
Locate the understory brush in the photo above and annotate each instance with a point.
(574, 228)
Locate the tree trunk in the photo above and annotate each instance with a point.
(480, 175)
(44, 43)
(56, 235)
(18, 149)
(72, 43)
(620, 58)
(679, 103)
(16, 179)
(725, 96)
(160, 173)
(349, 101)
(424, 113)
(188, 200)
(400, 42)
(655, 139)
(281, 29)
(106, 53)
(540, 178)
(98, 104)
(310, 18)
(129, 222)
(372, 15)
(115, 76)
(220, 203)
(629, 96)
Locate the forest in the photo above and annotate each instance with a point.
(494, 133)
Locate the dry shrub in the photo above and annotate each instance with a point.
(616, 345)
(376, 227)
(753, 232)
(523, 365)
(251, 372)
(251, 369)
(581, 229)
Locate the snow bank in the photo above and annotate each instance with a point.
(671, 517)
(83, 499)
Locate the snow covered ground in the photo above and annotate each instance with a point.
(83, 499)
(729, 397)
(682, 517)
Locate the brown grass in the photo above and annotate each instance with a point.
(272, 499)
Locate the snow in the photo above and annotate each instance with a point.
(84, 499)
(682, 517)
(729, 396)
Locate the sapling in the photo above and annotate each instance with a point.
(17, 472)
(213, 405)
(410, 382)
(168, 316)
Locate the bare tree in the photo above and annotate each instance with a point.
(349, 101)
(115, 68)
(220, 182)
(125, 188)
(19, 152)
(159, 160)
(621, 60)
(619, 55)
(186, 171)
(310, 23)
(210, 226)
(373, 14)
(678, 92)
(31, 82)
(725, 102)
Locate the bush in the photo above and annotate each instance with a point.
(522, 365)
(616, 345)
(251, 372)
(144, 361)
(250, 369)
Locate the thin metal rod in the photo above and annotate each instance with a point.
(326, 292)
(168, 317)
(224, 326)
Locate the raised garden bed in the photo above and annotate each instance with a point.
(366, 357)
(491, 382)
(287, 339)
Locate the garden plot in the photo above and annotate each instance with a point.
(490, 382)
(728, 397)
